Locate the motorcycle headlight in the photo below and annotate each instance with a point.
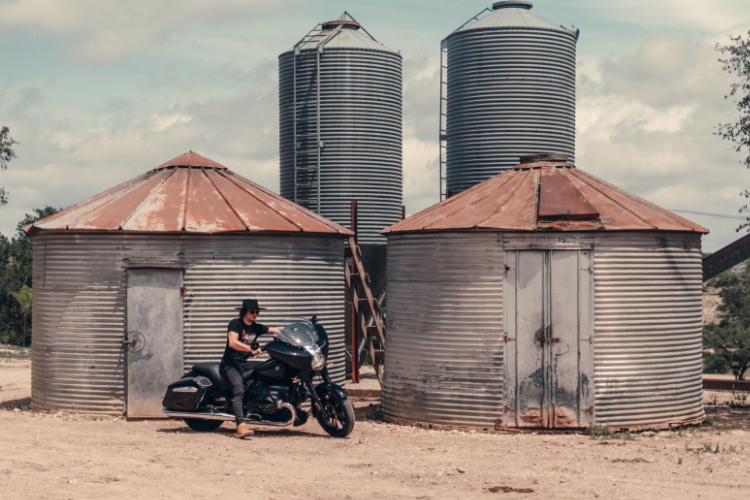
(318, 362)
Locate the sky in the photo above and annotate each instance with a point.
(96, 92)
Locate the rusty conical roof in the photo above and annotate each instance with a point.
(192, 194)
(545, 196)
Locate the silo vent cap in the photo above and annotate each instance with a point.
(545, 158)
(512, 4)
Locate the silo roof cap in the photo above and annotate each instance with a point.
(541, 194)
(512, 14)
(351, 36)
(190, 194)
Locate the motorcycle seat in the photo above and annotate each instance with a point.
(214, 374)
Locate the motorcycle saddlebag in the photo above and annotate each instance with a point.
(187, 393)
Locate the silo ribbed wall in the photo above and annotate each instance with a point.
(511, 92)
(361, 130)
(80, 301)
(444, 355)
(647, 361)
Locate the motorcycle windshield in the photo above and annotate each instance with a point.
(297, 332)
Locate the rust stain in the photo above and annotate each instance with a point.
(193, 194)
(532, 416)
(548, 196)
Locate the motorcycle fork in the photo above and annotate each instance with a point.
(316, 400)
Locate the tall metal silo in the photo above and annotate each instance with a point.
(340, 96)
(509, 91)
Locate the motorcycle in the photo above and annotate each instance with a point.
(275, 390)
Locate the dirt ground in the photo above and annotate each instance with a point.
(59, 456)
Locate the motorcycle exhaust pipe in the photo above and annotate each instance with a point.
(229, 417)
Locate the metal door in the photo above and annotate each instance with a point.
(550, 321)
(154, 340)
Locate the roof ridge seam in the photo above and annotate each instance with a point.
(263, 202)
(286, 202)
(612, 199)
(156, 190)
(247, 227)
(187, 199)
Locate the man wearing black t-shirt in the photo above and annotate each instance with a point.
(241, 333)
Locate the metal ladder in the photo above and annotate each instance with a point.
(299, 137)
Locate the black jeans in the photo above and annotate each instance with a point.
(233, 372)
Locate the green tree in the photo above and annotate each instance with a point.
(16, 272)
(6, 154)
(23, 297)
(726, 345)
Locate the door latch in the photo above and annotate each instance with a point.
(550, 340)
(126, 344)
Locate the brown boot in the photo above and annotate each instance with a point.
(243, 431)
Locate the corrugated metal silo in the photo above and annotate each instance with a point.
(340, 106)
(203, 238)
(510, 92)
(544, 297)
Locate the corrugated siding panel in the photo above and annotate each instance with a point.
(80, 298)
(291, 276)
(444, 355)
(648, 329)
(79, 303)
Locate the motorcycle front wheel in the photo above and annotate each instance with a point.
(201, 425)
(343, 423)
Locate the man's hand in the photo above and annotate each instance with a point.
(256, 352)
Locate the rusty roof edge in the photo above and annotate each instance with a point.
(580, 175)
(444, 203)
(262, 202)
(113, 197)
(146, 200)
(236, 214)
(187, 232)
(290, 204)
(647, 204)
(89, 201)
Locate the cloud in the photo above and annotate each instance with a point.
(59, 164)
(712, 16)
(645, 122)
(104, 31)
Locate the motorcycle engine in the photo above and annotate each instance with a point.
(269, 396)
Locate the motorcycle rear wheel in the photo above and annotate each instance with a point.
(201, 425)
(343, 424)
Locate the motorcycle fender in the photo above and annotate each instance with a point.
(331, 388)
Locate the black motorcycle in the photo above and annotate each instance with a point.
(275, 390)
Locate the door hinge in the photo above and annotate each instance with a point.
(590, 410)
(507, 268)
(183, 291)
(508, 339)
(508, 409)
(590, 340)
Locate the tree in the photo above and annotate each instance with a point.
(737, 64)
(6, 154)
(16, 273)
(726, 346)
(23, 297)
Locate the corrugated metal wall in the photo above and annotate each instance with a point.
(648, 293)
(80, 301)
(361, 129)
(511, 92)
(444, 356)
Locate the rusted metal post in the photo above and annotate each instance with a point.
(447, 193)
(355, 295)
(403, 212)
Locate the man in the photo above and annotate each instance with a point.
(241, 333)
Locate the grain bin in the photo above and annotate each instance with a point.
(135, 285)
(544, 297)
(510, 90)
(340, 138)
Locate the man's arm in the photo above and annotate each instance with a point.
(273, 331)
(234, 343)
